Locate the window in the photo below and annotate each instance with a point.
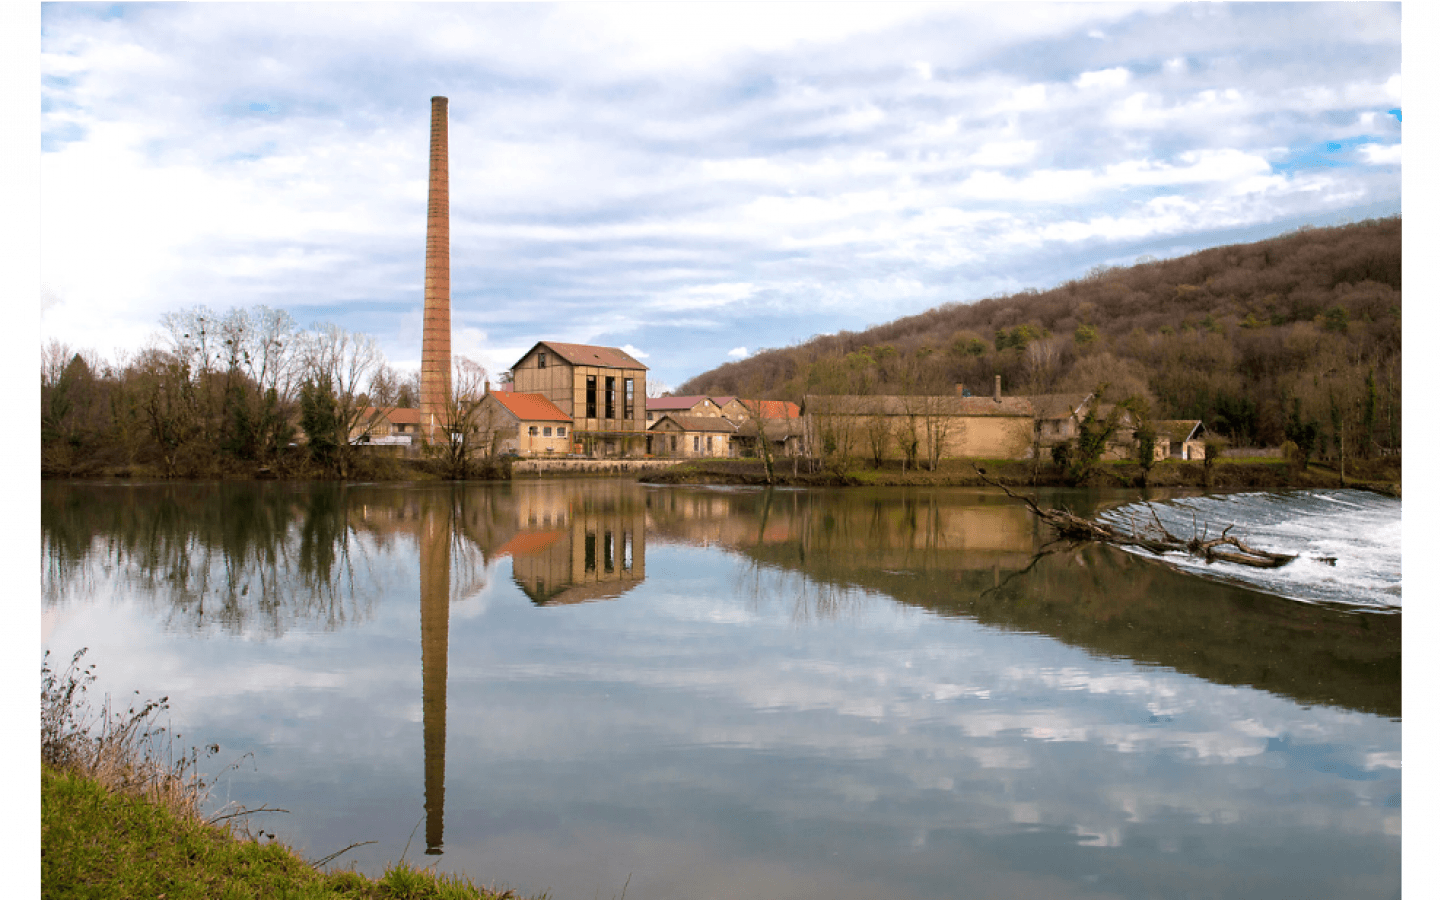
(542, 359)
(547, 430)
(609, 396)
(708, 445)
(589, 396)
(534, 430)
(560, 431)
(673, 442)
(697, 443)
(629, 398)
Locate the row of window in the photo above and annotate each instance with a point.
(559, 431)
(591, 397)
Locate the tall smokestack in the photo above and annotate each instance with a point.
(997, 388)
(435, 342)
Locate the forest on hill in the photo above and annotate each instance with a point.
(1292, 338)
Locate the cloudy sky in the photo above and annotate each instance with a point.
(693, 182)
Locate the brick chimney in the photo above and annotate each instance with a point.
(960, 389)
(997, 388)
(435, 340)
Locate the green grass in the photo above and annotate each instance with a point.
(119, 819)
(96, 843)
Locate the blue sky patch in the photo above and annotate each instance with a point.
(1327, 154)
(52, 139)
(1395, 113)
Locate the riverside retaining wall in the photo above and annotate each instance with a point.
(531, 467)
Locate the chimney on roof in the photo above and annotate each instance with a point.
(487, 385)
(960, 389)
(435, 336)
(997, 388)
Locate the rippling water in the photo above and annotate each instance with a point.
(1359, 530)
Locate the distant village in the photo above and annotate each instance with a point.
(582, 401)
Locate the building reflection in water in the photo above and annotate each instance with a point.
(566, 545)
(574, 547)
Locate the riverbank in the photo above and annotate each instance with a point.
(1380, 476)
(119, 820)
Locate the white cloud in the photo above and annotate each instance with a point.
(635, 351)
(1104, 78)
(739, 353)
(1380, 154)
(631, 167)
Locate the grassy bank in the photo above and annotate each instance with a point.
(1382, 476)
(119, 820)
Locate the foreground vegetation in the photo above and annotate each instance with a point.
(119, 820)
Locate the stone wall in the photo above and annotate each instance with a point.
(618, 466)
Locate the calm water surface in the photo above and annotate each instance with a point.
(590, 687)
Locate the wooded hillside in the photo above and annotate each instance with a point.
(1297, 337)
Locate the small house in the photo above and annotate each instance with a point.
(677, 435)
(524, 424)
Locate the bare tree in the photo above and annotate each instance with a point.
(337, 365)
(878, 436)
(461, 417)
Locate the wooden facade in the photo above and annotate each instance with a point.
(601, 389)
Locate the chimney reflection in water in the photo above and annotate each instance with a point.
(434, 540)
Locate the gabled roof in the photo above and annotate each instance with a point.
(396, 416)
(529, 407)
(587, 355)
(891, 405)
(677, 403)
(1178, 430)
(1058, 406)
(772, 409)
(712, 424)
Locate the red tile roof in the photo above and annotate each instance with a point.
(530, 407)
(586, 355)
(772, 409)
(528, 542)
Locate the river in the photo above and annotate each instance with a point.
(594, 687)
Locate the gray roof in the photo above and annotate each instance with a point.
(892, 405)
(698, 423)
(1177, 430)
(1057, 406)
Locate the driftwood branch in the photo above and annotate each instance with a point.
(1155, 538)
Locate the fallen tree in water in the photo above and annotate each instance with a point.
(1152, 536)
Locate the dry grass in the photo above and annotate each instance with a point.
(121, 817)
(128, 752)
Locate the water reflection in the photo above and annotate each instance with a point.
(981, 556)
(576, 545)
(831, 694)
